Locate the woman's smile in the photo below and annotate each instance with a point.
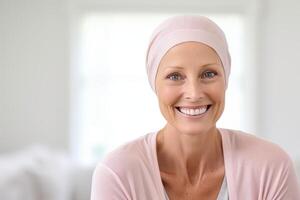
(193, 111)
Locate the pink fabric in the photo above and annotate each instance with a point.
(181, 29)
(255, 170)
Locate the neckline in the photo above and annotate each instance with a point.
(222, 193)
(156, 166)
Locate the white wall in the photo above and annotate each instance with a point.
(280, 74)
(34, 66)
(34, 73)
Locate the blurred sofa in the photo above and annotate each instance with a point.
(38, 173)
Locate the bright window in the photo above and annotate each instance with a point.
(114, 102)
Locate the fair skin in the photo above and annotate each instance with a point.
(190, 87)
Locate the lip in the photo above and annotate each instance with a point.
(192, 107)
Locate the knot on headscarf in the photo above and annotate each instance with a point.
(181, 29)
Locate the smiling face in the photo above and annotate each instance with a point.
(190, 87)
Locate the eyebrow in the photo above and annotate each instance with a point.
(178, 67)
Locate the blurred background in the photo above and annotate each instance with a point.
(73, 83)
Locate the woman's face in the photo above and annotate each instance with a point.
(190, 86)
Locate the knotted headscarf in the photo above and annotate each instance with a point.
(181, 29)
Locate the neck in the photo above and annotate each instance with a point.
(196, 156)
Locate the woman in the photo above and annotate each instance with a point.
(188, 66)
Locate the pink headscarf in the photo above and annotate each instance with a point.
(181, 29)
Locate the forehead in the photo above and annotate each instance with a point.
(190, 53)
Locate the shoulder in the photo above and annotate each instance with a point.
(129, 172)
(259, 166)
(253, 150)
(124, 170)
(129, 158)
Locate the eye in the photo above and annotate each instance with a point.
(209, 74)
(174, 77)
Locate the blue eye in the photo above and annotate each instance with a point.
(209, 74)
(174, 77)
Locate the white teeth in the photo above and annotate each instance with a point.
(193, 112)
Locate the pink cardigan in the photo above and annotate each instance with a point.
(255, 170)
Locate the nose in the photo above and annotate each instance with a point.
(193, 90)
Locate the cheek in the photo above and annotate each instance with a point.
(167, 98)
(218, 96)
(217, 92)
(168, 95)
